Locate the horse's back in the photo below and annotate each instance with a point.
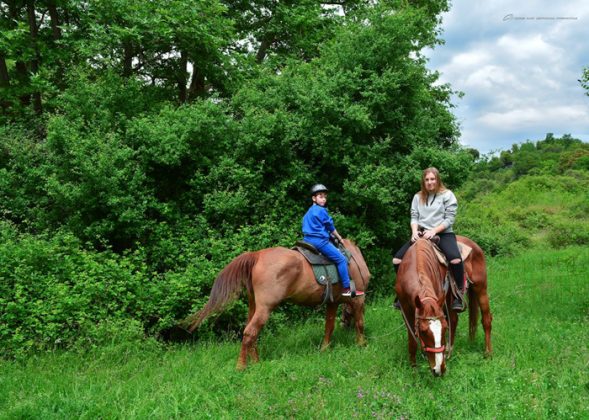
(279, 261)
(282, 273)
(477, 251)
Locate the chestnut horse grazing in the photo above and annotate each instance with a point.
(273, 275)
(420, 290)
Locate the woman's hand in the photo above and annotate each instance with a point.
(428, 234)
(414, 236)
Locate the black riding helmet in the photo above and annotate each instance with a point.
(317, 188)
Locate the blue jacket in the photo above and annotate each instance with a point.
(317, 222)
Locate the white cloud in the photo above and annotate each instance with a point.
(470, 59)
(515, 119)
(528, 48)
(520, 77)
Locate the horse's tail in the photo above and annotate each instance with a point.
(227, 286)
(473, 313)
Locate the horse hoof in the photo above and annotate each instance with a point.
(488, 355)
(240, 366)
(324, 347)
(362, 342)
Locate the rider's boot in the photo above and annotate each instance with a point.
(460, 279)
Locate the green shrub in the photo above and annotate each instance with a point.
(569, 233)
(496, 240)
(50, 287)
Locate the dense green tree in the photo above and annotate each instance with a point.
(175, 135)
(178, 46)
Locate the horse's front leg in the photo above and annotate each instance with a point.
(412, 347)
(330, 315)
(347, 315)
(453, 325)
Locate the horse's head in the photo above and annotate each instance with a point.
(431, 327)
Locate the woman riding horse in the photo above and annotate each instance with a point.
(433, 211)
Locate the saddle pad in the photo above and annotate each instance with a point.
(325, 274)
(465, 251)
(323, 268)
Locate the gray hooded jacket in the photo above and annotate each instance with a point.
(440, 209)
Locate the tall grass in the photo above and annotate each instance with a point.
(540, 368)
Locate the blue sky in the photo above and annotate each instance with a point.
(518, 65)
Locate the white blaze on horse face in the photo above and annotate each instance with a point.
(436, 328)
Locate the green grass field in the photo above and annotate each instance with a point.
(540, 368)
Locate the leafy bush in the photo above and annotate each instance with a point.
(50, 286)
(495, 235)
(569, 233)
(531, 211)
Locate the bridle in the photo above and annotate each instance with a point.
(416, 335)
(423, 346)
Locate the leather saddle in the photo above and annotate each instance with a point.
(465, 251)
(324, 269)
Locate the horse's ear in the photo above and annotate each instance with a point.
(418, 304)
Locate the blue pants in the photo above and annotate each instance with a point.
(334, 254)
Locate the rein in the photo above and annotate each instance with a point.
(359, 270)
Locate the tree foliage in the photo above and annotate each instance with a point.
(164, 138)
(585, 80)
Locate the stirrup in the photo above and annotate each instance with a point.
(458, 305)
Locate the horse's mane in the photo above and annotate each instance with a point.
(427, 264)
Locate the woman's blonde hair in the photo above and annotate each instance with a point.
(440, 187)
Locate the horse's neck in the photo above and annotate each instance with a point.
(428, 271)
(428, 291)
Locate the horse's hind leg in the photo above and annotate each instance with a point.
(330, 315)
(358, 311)
(487, 318)
(478, 274)
(250, 335)
(253, 350)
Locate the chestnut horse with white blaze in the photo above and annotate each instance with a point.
(420, 290)
(273, 275)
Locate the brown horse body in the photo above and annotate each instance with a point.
(272, 276)
(419, 288)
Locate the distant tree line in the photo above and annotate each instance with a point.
(551, 156)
